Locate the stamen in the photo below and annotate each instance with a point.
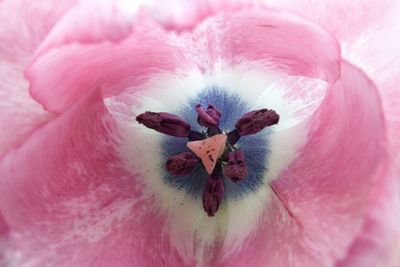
(195, 136)
(182, 164)
(209, 117)
(213, 130)
(256, 120)
(236, 168)
(213, 193)
(164, 122)
(233, 137)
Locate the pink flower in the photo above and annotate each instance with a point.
(314, 183)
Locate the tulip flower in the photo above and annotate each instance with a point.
(199, 133)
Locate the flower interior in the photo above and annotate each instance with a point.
(212, 152)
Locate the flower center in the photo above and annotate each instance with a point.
(210, 152)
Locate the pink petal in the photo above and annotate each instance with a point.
(369, 32)
(70, 202)
(92, 22)
(378, 243)
(116, 65)
(339, 16)
(24, 26)
(322, 197)
(3, 239)
(273, 39)
(289, 54)
(3, 225)
(181, 15)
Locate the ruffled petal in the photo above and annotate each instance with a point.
(72, 62)
(321, 199)
(24, 26)
(70, 202)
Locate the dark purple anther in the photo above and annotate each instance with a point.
(164, 122)
(256, 120)
(213, 195)
(209, 117)
(182, 164)
(236, 168)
